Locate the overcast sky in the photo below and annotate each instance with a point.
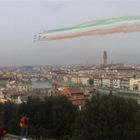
(20, 20)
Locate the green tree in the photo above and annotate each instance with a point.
(108, 117)
(64, 114)
(31, 109)
(53, 118)
(91, 82)
(9, 117)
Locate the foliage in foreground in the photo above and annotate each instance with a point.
(108, 117)
(103, 117)
(52, 118)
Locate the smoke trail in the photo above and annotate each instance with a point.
(98, 27)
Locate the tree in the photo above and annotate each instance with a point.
(52, 118)
(64, 114)
(108, 117)
(91, 82)
(9, 117)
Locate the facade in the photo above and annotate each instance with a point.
(97, 82)
(24, 87)
(116, 83)
(75, 79)
(65, 79)
(125, 84)
(84, 80)
(106, 83)
(134, 83)
(73, 94)
(41, 87)
(86, 71)
(2, 98)
(138, 85)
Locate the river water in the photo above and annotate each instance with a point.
(41, 85)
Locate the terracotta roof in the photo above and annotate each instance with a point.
(70, 90)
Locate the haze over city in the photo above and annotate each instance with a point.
(69, 69)
(22, 19)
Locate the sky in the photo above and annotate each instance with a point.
(20, 20)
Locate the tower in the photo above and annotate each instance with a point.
(105, 58)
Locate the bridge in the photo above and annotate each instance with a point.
(122, 93)
(30, 78)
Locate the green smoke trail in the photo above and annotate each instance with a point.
(98, 23)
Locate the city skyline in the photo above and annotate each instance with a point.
(20, 20)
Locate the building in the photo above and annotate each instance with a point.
(24, 87)
(2, 98)
(138, 85)
(97, 82)
(134, 84)
(84, 80)
(106, 83)
(105, 58)
(125, 84)
(116, 83)
(41, 87)
(75, 79)
(75, 95)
